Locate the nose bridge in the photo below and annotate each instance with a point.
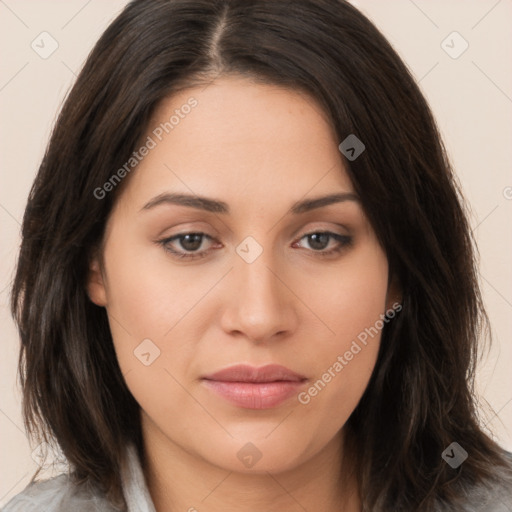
(261, 306)
(257, 282)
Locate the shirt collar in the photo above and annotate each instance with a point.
(135, 489)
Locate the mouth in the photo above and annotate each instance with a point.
(250, 387)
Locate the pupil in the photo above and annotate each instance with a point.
(191, 242)
(319, 240)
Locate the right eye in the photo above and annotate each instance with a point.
(189, 245)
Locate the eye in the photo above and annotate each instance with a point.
(320, 240)
(186, 245)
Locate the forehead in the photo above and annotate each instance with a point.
(235, 134)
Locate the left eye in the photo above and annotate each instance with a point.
(319, 241)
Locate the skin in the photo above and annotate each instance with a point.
(258, 148)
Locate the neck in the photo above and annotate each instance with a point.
(179, 480)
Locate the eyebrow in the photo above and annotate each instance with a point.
(216, 206)
(192, 201)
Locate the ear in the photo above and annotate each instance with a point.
(394, 295)
(96, 282)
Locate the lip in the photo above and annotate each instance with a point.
(251, 387)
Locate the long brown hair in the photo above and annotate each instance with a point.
(420, 397)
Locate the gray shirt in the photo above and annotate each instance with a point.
(60, 494)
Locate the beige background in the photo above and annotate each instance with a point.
(471, 97)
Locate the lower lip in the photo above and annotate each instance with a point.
(255, 395)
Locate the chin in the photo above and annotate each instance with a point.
(258, 454)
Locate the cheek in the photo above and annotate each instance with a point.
(152, 310)
(344, 361)
(342, 370)
(147, 296)
(352, 296)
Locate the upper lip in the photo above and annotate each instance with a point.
(247, 373)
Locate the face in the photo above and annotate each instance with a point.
(239, 240)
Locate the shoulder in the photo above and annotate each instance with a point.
(494, 496)
(58, 494)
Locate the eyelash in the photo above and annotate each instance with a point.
(344, 241)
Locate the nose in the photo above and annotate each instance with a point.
(258, 306)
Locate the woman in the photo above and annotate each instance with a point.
(247, 279)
